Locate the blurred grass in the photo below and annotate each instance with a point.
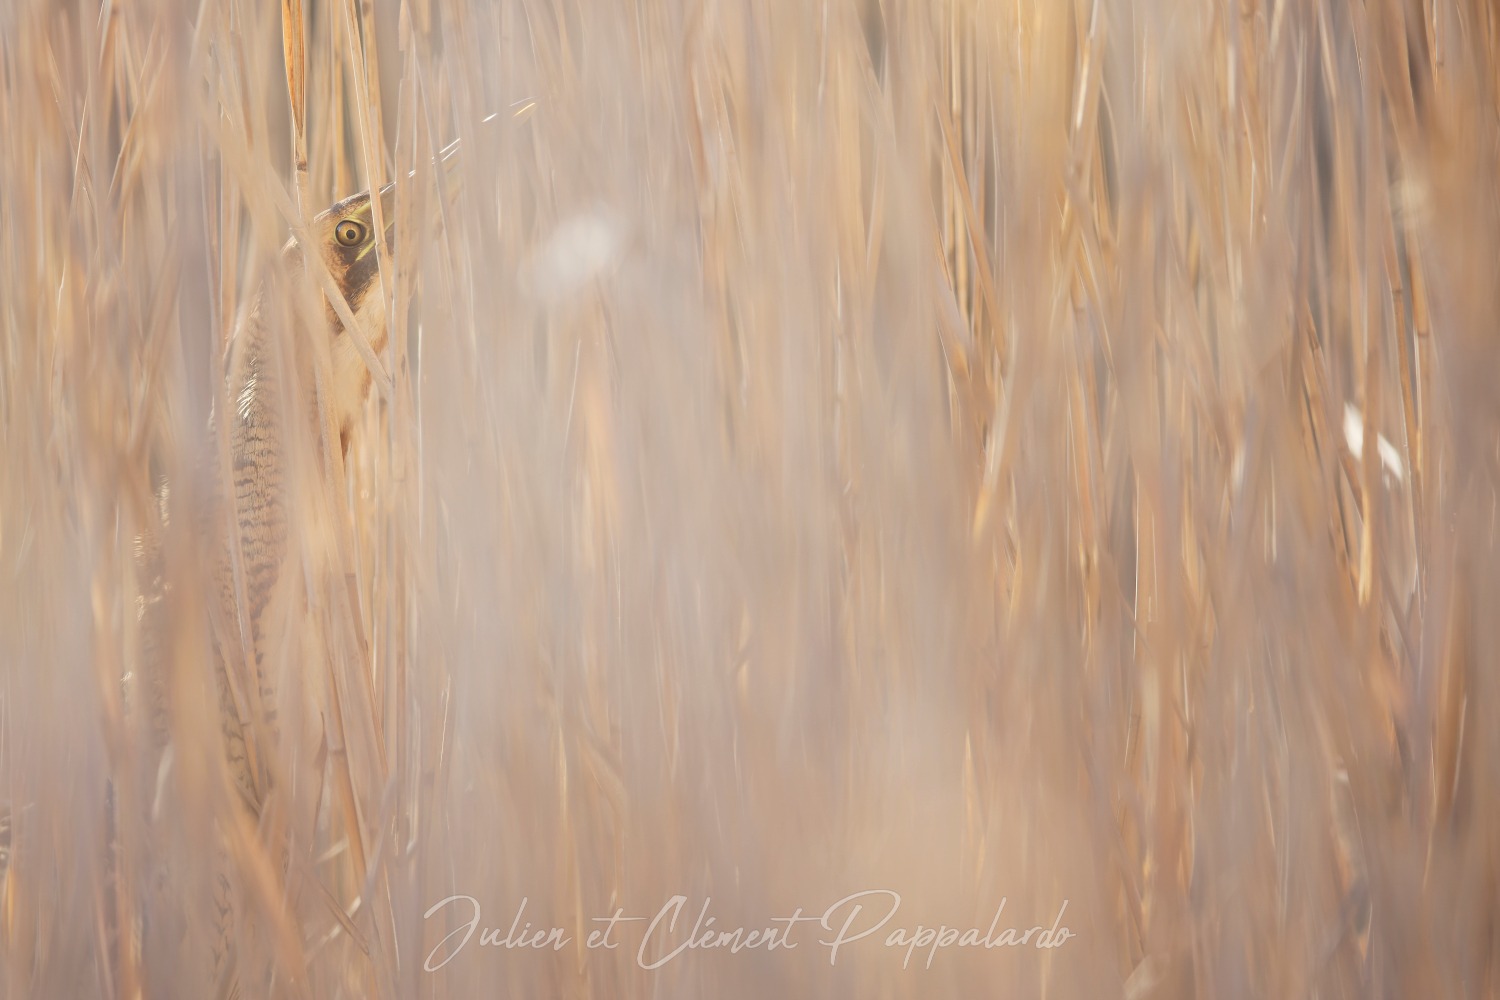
(842, 445)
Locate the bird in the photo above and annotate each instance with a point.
(245, 480)
(269, 384)
(246, 494)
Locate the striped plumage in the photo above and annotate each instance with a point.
(269, 384)
(268, 418)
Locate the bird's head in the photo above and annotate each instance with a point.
(345, 237)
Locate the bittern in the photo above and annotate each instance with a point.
(270, 382)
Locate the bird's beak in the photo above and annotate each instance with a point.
(449, 170)
(449, 181)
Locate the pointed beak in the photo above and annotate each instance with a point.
(449, 169)
(449, 181)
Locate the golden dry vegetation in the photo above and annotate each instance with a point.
(1029, 449)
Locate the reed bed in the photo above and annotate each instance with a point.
(1030, 451)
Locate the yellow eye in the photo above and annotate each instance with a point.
(349, 233)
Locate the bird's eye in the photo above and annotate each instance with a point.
(349, 233)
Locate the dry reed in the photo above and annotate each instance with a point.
(1041, 450)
